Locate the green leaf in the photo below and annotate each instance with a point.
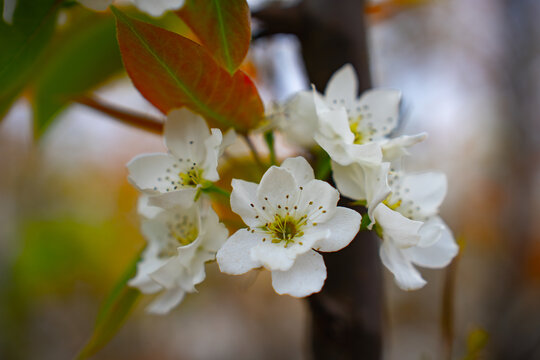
(84, 59)
(113, 313)
(222, 26)
(22, 44)
(172, 71)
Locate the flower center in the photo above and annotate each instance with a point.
(179, 234)
(284, 229)
(388, 203)
(191, 178)
(354, 124)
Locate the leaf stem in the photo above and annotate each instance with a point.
(254, 152)
(269, 138)
(122, 115)
(217, 190)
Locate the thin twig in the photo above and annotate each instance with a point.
(254, 152)
(122, 115)
(447, 309)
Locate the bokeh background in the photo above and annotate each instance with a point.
(470, 75)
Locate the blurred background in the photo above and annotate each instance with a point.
(470, 76)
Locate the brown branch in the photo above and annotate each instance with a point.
(124, 116)
(447, 308)
(347, 314)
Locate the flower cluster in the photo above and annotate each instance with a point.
(290, 216)
(365, 160)
(182, 230)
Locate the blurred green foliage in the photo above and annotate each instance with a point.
(84, 56)
(22, 43)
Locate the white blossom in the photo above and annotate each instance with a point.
(297, 119)
(289, 216)
(355, 129)
(151, 7)
(191, 164)
(412, 232)
(180, 242)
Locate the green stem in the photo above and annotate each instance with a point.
(214, 189)
(254, 152)
(269, 138)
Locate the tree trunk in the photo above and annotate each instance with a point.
(347, 313)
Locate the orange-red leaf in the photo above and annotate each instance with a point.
(172, 71)
(222, 26)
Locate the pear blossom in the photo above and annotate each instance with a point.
(180, 242)
(411, 230)
(366, 183)
(178, 177)
(357, 129)
(297, 119)
(289, 215)
(151, 7)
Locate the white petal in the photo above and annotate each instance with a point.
(383, 105)
(274, 256)
(299, 168)
(363, 182)
(427, 190)
(148, 172)
(396, 228)
(198, 273)
(166, 301)
(350, 180)
(243, 195)
(377, 188)
(430, 232)
(183, 197)
(304, 278)
(334, 124)
(155, 232)
(397, 147)
(158, 7)
(97, 5)
(228, 139)
(370, 153)
(212, 145)
(298, 119)
(277, 187)
(168, 274)
(437, 255)
(186, 253)
(185, 133)
(149, 263)
(215, 233)
(343, 227)
(335, 149)
(405, 275)
(342, 87)
(145, 210)
(234, 257)
(318, 200)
